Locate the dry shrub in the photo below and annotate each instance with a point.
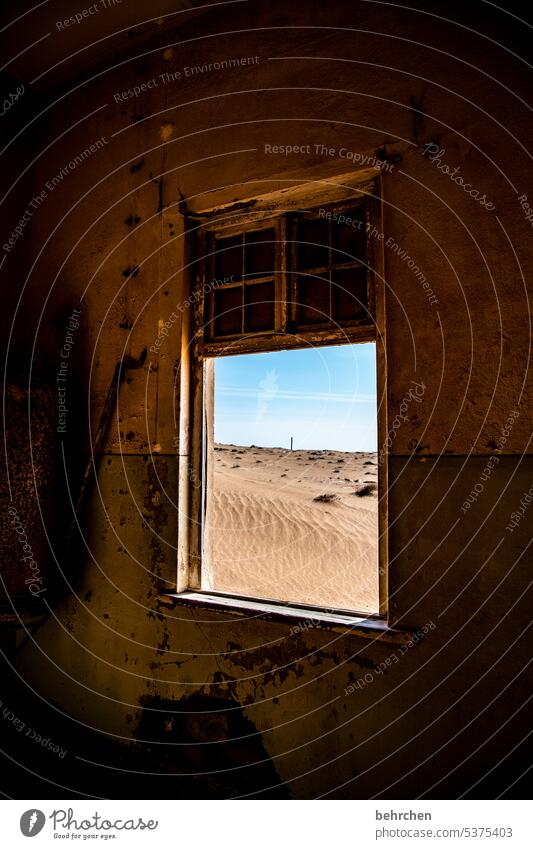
(367, 489)
(326, 498)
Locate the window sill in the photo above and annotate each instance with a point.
(299, 616)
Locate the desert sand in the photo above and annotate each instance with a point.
(290, 526)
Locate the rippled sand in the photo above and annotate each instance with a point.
(272, 539)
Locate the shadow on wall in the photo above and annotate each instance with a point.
(201, 747)
(209, 740)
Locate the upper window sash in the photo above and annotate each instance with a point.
(321, 279)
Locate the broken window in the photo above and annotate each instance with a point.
(268, 282)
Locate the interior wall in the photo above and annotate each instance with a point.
(109, 240)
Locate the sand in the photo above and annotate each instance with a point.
(272, 539)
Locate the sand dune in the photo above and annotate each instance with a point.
(271, 538)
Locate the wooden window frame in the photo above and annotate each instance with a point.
(286, 333)
(206, 273)
(196, 402)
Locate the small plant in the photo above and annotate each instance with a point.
(367, 489)
(326, 498)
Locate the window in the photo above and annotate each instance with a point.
(268, 281)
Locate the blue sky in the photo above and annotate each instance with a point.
(324, 397)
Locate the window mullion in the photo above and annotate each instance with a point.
(243, 284)
(282, 276)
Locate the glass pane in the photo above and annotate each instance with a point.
(350, 294)
(348, 237)
(229, 258)
(260, 257)
(228, 311)
(312, 249)
(312, 299)
(259, 307)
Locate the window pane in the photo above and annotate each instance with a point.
(348, 240)
(259, 253)
(228, 311)
(229, 257)
(350, 294)
(312, 299)
(259, 309)
(312, 249)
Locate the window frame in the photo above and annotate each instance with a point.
(196, 401)
(286, 333)
(205, 316)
